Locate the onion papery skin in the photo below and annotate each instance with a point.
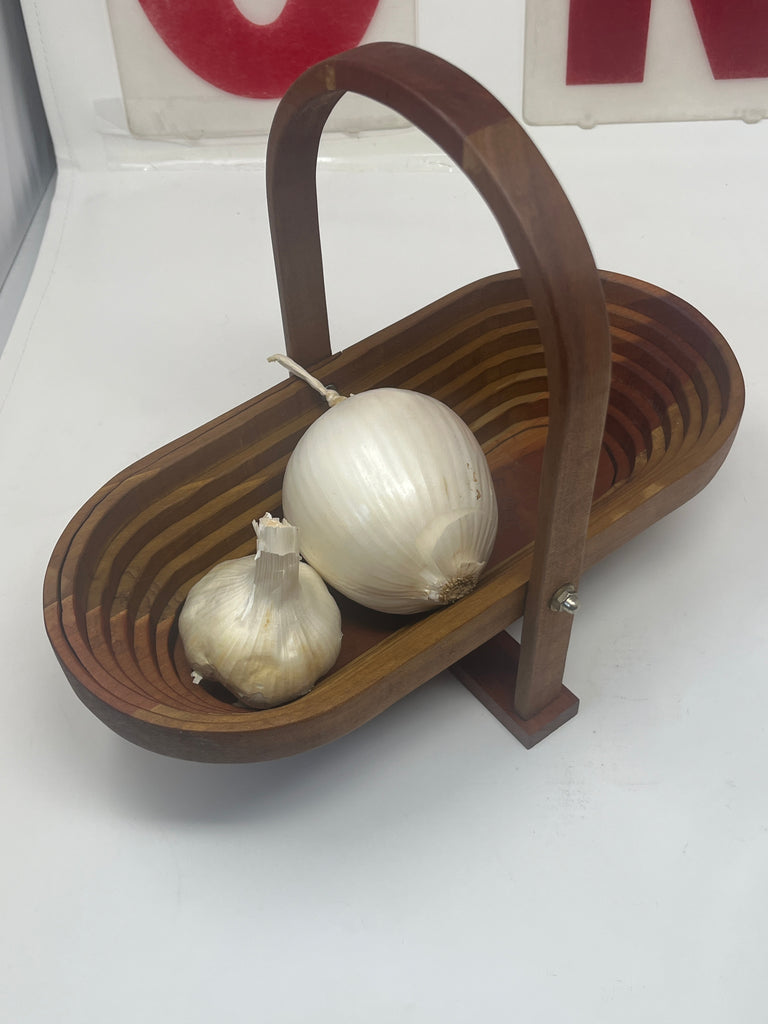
(264, 627)
(393, 499)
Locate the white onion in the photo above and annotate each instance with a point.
(393, 499)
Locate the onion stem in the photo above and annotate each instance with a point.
(329, 394)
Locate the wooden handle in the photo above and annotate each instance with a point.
(537, 220)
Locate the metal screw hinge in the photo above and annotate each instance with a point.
(565, 599)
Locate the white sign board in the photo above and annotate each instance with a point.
(216, 68)
(589, 62)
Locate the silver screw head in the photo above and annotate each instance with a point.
(565, 599)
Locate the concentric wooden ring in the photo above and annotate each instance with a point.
(124, 565)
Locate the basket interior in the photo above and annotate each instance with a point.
(129, 558)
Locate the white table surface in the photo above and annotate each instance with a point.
(425, 868)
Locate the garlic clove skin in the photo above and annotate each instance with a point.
(265, 627)
(394, 500)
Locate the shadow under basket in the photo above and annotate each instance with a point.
(602, 403)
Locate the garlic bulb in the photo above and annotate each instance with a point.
(393, 498)
(264, 626)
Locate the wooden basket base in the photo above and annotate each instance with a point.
(489, 673)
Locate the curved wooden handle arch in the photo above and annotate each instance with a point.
(537, 220)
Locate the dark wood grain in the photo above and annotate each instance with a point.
(507, 356)
(486, 674)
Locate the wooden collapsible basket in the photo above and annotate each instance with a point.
(602, 403)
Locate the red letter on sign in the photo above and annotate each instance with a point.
(735, 36)
(216, 41)
(606, 41)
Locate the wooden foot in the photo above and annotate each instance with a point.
(489, 673)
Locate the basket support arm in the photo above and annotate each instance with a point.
(545, 237)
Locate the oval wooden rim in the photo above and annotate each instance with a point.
(386, 673)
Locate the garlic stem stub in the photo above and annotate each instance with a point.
(264, 626)
(393, 498)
